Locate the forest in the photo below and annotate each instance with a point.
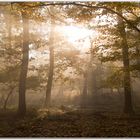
(69, 69)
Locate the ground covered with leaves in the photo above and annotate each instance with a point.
(74, 123)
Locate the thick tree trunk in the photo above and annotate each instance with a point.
(24, 66)
(6, 100)
(127, 81)
(51, 67)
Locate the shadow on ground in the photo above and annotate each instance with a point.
(75, 123)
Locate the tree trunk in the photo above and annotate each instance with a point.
(84, 92)
(6, 100)
(9, 27)
(24, 66)
(128, 108)
(51, 67)
(138, 55)
(2, 100)
(50, 78)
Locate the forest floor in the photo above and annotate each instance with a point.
(75, 123)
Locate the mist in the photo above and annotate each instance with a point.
(69, 69)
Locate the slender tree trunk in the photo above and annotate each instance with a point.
(50, 78)
(9, 27)
(92, 74)
(6, 100)
(128, 108)
(2, 100)
(138, 55)
(84, 92)
(51, 67)
(24, 66)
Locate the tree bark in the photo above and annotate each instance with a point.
(128, 108)
(24, 66)
(51, 67)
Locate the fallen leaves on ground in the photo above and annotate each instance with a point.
(80, 123)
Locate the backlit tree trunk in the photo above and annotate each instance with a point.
(51, 67)
(24, 66)
(84, 92)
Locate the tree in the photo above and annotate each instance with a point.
(128, 108)
(51, 67)
(10, 53)
(24, 65)
(26, 14)
(84, 92)
(120, 51)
